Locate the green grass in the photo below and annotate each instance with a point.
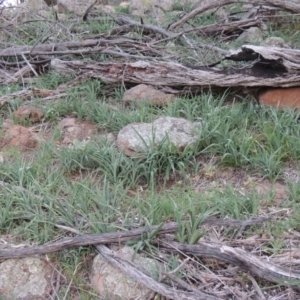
(241, 135)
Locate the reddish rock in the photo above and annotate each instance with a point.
(146, 93)
(281, 97)
(19, 136)
(31, 113)
(7, 124)
(74, 130)
(265, 187)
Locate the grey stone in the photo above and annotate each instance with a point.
(275, 42)
(253, 34)
(115, 285)
(73, 129)
(25, 279)
(137, 137)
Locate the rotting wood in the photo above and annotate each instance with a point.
(116, 237)
(271, 67)
(277, 59)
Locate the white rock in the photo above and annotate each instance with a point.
(138, 137)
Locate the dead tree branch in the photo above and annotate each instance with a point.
(286, 5)
(239, 257)
(116, 237)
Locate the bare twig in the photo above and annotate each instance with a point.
(256, 287)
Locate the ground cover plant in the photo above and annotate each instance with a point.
(234, 191)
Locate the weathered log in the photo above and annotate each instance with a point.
(274, 58)
(274, 67)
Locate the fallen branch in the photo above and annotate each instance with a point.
(64, 47)
(286, 5)
(236, 256)
(116, 237)
(226, 28)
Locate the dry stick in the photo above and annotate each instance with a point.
(87, 11)
(204, 46)
(97, 50)
(256, 287)
(7, 74)
(218, 278)
(165, 33)
(116, 237)
(49, 49)
(183, 284)
(226, 27)
(19, 50)
(29, 93)
(125, 20)
(71, 281)
(179, 281)
(168, 35)
(129, 269)
(55, 288)
(289, 6)
(30, 66)
(240, 257)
